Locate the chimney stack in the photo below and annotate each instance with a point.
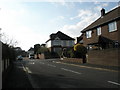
(102, 12)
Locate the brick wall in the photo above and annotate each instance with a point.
(107, 57)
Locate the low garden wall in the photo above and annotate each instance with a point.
(108, 57)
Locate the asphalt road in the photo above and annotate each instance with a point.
(54, 74)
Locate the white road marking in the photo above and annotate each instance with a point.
(33, 63)
(57, 62)
(24, 69)
(41, 63)
(28, 70)
(113, 82)
(88, 67)
(33, 83)
(51, 65)
(70, 70)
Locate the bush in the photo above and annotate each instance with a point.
(54, 55)
(79, 50)
(70, 53)
(47, 55)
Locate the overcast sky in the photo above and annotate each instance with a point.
(31, 22)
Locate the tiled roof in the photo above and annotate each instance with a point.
(61, 36)
(108, 17)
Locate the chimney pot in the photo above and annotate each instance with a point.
(102, 12)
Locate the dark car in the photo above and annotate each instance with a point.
(19, 58)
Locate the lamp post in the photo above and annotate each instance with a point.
(0, 34)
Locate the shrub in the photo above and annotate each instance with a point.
(70, 53)
(79, 50)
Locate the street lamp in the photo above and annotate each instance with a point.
(0, 34)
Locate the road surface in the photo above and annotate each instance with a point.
(54, 74)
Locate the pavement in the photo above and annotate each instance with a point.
(16, 78)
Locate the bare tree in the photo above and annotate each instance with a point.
(12, 42)
(9, 41)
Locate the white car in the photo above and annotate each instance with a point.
(31, 56)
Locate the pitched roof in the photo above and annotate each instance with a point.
(79, 38)
(60, 35)
(63, 36)
(31, 49)
(108, 17)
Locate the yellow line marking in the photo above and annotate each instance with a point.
(90, 67)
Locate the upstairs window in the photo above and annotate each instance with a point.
(71, 43)
(64, 43)
(67, 43)
(99, 31)
(112, 26)
(88, 34)
(57, 42)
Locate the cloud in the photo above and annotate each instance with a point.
(82, 14)
(101, 5)
(67, 4)
(57, 19)
(61, 17)
(86, 17)
(96, 1)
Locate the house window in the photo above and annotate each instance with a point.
(64, 43)
(57, 42)
(112, 26)
(71, 43)
(88, 34)
(99, 31)
(67, 43)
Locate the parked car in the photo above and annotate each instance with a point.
(20, 58)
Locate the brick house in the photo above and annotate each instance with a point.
(103, 33)
(79, 39)
(58, 41)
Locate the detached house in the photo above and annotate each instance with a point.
(103, 33)
(58, 41)
(31, 52)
